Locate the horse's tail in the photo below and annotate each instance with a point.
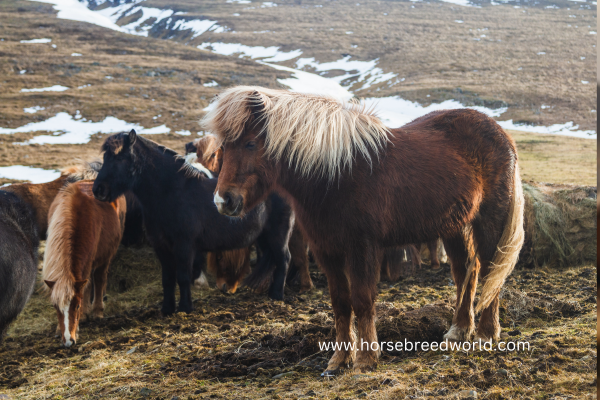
(509, 246)
(58, 256)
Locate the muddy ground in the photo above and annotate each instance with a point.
(237, 346)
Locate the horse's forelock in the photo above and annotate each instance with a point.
(316, 134)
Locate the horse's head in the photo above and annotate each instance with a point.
(118, 169)
(229, 268)
(247, 173)
(190, 147)
(209, 153)
(69, 312)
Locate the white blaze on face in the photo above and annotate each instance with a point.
(219, 201)
(67, 334)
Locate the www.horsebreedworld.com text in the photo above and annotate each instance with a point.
(426, 346)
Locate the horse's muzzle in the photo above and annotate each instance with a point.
(230, 204)
(100, 190)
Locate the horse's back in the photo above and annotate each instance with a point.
(39, 197)
(436, 173)
(18, 256)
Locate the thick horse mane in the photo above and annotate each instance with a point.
(58, 260)
(190, 167)
(318, 134)
(83, 171)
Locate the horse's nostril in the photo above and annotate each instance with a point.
(227, 200)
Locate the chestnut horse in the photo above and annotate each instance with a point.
(83, 236)
(40, 195)
(357, 187)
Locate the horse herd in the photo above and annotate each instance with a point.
(285, 172)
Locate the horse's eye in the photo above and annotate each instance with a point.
(78, 306)
(251, 145)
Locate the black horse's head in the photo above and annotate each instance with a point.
(118, 169)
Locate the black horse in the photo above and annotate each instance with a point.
(19, 243)
(181, 219)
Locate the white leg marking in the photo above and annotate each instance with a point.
(201, 282)
(67, 334)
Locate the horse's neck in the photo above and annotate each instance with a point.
(301, 190)
(157, 175)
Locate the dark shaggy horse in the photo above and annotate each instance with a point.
(18, 257)
(357, 187)
(181, 219)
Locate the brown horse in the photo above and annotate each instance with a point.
(83, 236)
(357, 187)
(209, 153)
(231, 266)
(40, 196)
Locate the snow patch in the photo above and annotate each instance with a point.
(269, 54)
(33, 110)
(67, 129)
(44, 40)
(55, 88)
(31, 174)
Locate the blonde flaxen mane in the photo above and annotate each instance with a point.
(316, 134)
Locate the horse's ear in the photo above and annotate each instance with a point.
(50, 284)
(132, 137)
(80, 285)
(257, 104)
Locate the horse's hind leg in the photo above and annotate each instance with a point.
(339, 290)
(298, 252)
(100, 280)
(278, 239)
(487, 241)
(364, 265)
(433, 253)
(463, 322)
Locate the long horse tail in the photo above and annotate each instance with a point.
(509, 246)
(58, 256)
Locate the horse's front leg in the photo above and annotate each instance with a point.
(169, 279)
(199, 271)
(100, 278)
(364, 264)
(299, 254)
(339, 290)
(183, 264)
(278, 240)
(433, 254)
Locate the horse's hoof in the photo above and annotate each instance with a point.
(167, 311)
(331, 373)
(276, 295)
(185, 309)
(361, 368)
